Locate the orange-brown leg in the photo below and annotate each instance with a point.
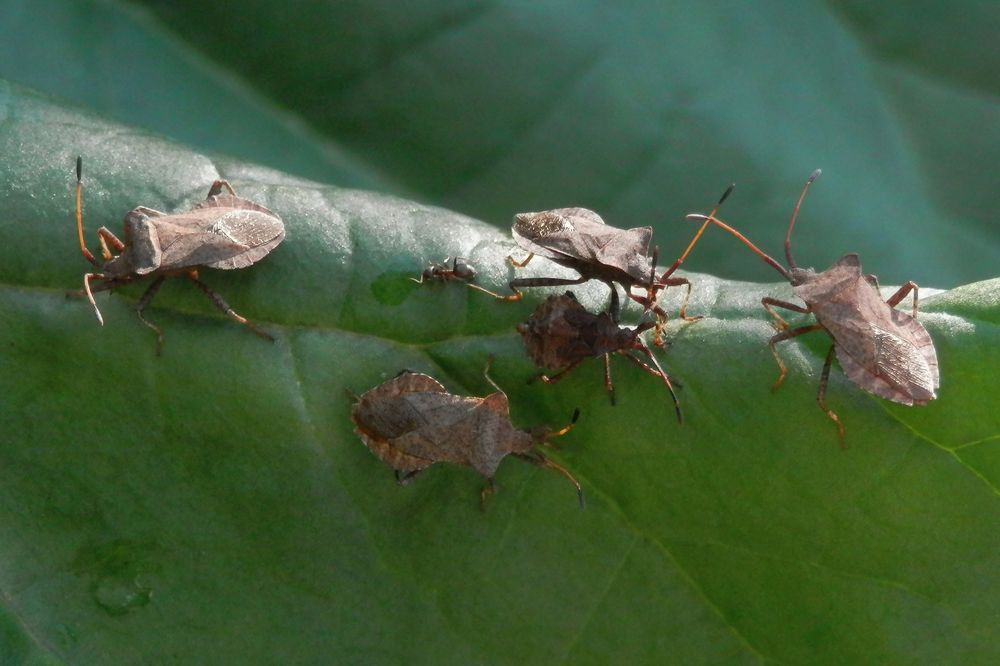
(824, 378)
(787, 334)
(901, 293)
(218, 301)
(140, 308)
(90, 295)
(552, 379)
(520, 264)
(779, 322)
(537, 458)
(656, 371)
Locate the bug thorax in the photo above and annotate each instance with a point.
(799, 276)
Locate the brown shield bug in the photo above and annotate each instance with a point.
(560, 334)
(881, 349)
(411, 422)
(579, 239)
(224, 231)
(460, 269)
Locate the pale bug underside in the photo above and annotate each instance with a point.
(563, 228)
(889, 353)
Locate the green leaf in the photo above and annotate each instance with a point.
(213, 505)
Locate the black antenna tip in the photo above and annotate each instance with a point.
(725, 195)
(79, 167)
(815, 174)
(576, 415)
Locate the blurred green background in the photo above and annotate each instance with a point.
(213, 505)
(643, 112)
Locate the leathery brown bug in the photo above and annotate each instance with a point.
(224, 231)
(881, 349)
(411, 422)
(560, 334)
(460, 269)
(579, 239)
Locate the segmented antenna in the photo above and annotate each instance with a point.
(795, 213)
(680, 260)
(746, 241)
(79, 213)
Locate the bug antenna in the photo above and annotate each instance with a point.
(680, 260)
(795, 213)
(79, 213)
(551, 464)
(746, 241)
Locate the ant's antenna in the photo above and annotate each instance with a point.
(795, 214)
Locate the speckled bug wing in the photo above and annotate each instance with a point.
(223, 232)
(388, 412)
(883, 350)
(477, 432)
(575, 234)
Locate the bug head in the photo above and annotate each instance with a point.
(795, 213)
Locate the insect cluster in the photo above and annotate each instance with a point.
(412, 422)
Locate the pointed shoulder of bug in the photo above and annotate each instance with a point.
(842, 277)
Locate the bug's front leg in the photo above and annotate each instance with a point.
(552, 379)
(106, 237)
(658, 372)
(787, 334)
(779, 322)
(824, 378)
(537, 458)
(901, 293)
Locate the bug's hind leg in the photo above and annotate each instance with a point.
(787, 335)
(824, 378)
(140, 307)
(901, 293)
(220, 303)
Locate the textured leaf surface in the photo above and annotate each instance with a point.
(213, 506)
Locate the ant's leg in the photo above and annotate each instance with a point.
(787, 334)
(780, 323)
(222, 305)
(901, 293)
(821, 396)
(140, 307)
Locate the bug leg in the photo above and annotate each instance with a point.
(515, 296)
(489, 489)
(821, 396)
(90, 295)
(218, 186)
(552, 379)
(901, 293)
(656, 371)
(608, 384)
(780, 323)
(544, 282)
(677, 282)
(140, 307)
(106, 237)
(222, 305)
(520, 264)
(403, 478)
(787, 334)
(536, 458)
(615, 309)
